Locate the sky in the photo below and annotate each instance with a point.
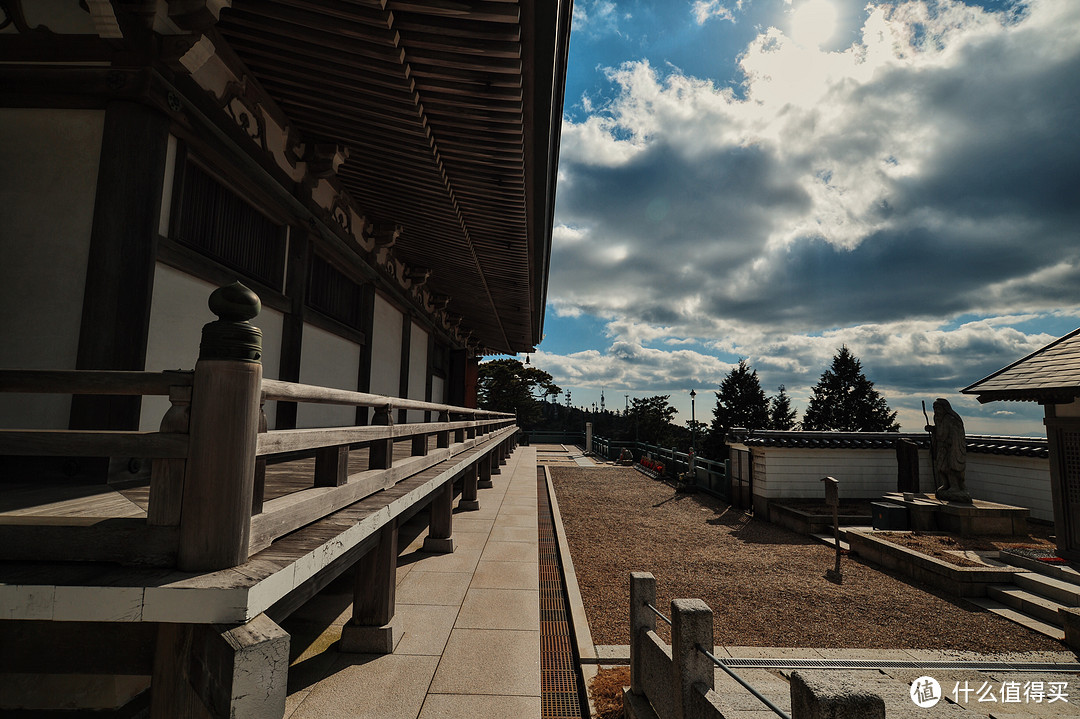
(774, 179)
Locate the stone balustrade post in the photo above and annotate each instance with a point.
(642, 593)
(215, 520)
(691, 671)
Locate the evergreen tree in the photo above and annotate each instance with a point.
(845, 400)
(506, 385)
(740, 403)
(651, 419)
(781, 415)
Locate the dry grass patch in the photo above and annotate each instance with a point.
(765, 584)
(606, 690)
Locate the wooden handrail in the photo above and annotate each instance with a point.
(293, 440)
(314, 394)
(96, 382)
(92, 443)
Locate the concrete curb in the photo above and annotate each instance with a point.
(582, 635)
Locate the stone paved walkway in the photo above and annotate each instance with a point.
(471, 622)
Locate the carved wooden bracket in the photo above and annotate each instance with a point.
(196, 15)
(386, 235)
(325, 159)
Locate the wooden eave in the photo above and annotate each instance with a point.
(450, 112)
(1049, 375)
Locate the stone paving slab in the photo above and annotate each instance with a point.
(470, 644)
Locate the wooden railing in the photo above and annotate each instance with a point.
(206, 507)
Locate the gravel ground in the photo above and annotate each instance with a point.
(765, 584)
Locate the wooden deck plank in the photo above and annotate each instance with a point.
(69, 592)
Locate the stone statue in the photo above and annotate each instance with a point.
(948, 449)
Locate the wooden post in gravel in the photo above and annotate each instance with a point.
(215, 520)
(642, 593)
(692, 672)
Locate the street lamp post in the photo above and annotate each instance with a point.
(693, 434)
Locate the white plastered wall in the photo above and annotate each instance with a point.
(48, 181)
(438, 390)
(418, 368)
(177, 315)
(385, 348)
(327, 360)
(787, 473)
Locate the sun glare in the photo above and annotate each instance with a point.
(813, 23)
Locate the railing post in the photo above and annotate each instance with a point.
(642, 593)
(442, 437)
(381, 453)
(691, 628)
(258, 487)
(470, 431)
(459, 434)
(468, 501)
(419, 445)
(215, 521)
(167, 475)
(332, 466)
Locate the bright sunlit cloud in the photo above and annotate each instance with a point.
(813, 23)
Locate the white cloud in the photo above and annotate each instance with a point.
(705, 10)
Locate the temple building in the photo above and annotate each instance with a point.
(380, 173)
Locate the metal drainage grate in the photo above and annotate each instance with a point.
(898, 664)
(562, 690)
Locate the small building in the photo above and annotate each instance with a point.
(1051, 377)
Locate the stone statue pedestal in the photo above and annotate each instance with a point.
(933, 515)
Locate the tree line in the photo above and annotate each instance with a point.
(843, 399)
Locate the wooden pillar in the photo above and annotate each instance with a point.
(494, 457)
(468, 501)
(441, 523)
(120, 266)
(292, 325)
(455, 381)
(167, 475)
(332, 466)
(459, 434)
(472, 376)
(420, 445)
(372, 629)
(403, 377)
(485, 473)
(219, 671)
(367, 319)
(258, 485)
(219, 479)
(381, 453)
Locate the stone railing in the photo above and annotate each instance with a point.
(678, 681)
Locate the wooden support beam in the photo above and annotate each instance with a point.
(420, 445)
(44, 647)
(167, 475)
(442, 438)
(484, 481)
(372, 629)
(459, 434)
(367, 325)
(468, 501)
(332, 466)
(441, 523)
(220, 672)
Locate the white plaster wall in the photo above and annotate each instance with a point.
(785, 473)
(418, 361)
(48, 182)
(438, 390)
(327, 360)
(178, 312)
(1020, 481)
(385, 349)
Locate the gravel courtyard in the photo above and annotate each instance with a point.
(765, 584)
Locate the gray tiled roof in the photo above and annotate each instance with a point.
(1050, 374)
(980, 443)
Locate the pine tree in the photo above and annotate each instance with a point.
(845, 400)
(781, 415)
(741, 401)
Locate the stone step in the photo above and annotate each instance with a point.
(828, 540)
(1066, 593)
(1041, 608)
(1058, 571)
(992, 605)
